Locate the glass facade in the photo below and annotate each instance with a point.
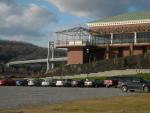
(123, 38)
(143, 37)
(81, 36)
(106, 39)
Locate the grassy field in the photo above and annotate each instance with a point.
(143, 75)
(126, 104)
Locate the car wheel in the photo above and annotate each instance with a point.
(107, 86)
(124, 88)
(146, 89)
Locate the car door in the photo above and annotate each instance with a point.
(137, 84)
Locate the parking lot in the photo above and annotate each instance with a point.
(12, 96)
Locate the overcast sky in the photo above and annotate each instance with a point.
(36, 21)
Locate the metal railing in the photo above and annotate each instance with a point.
(85, 42)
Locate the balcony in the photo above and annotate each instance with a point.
(84, 37)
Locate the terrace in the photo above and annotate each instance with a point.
(80, 36)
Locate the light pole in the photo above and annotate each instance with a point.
(88, 54)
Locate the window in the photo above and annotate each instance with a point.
(123, 38)
(143, 37)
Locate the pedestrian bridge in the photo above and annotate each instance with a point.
(62, 59)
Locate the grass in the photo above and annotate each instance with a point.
(126, 104)
(146, 76)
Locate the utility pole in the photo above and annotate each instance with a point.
(50, 47)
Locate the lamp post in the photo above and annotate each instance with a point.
(88, 55)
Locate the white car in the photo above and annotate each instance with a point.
(88, 83)
(34, 82)
(31, 82)
(74, 83)
(59, 83)
(46, 82)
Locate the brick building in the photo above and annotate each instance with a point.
(111, 37)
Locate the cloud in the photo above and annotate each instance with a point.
(91, 8)
(23, 22)
(99, 8)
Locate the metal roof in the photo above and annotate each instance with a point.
(124, 17)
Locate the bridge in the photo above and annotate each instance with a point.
(62, 59)
(49, 60)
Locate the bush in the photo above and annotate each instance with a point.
(105, 65)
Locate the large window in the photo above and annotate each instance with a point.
(103, 39)
(123, 38)
(143, 37)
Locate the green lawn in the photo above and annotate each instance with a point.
(143, 75)
(126, 104)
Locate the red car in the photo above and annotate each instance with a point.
(111, 81)
(7, 82)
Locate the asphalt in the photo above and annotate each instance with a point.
(13, 97)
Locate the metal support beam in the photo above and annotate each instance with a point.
(50, 47)
(112, 38)
(131, 49)
(89, 38)
(52, 54)
(135, 37)
(107, 52)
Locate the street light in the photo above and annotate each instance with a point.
(88, 54)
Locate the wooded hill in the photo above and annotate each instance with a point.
(13, 50)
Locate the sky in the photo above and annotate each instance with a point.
(36, 21)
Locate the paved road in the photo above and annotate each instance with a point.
(11, 97)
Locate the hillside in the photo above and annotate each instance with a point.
(13, 50)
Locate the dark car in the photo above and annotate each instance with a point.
(134, 83)
(53, 83)
(7, 82)
(21, 82)
(68, 82)
(97, 83)
(80, 83)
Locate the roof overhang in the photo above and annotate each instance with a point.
(128, 22)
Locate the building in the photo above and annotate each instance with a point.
(112, 37)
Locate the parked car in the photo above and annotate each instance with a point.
(68, 82)
(21, 82)
(74, 83)
(34, 82)
(97, 83)
(53, 83)
(46, 82)
(87, 83)
(3, 82)
(134, 84)
(80, 83)
(112, 81)
(59, 83)
(7, 82)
